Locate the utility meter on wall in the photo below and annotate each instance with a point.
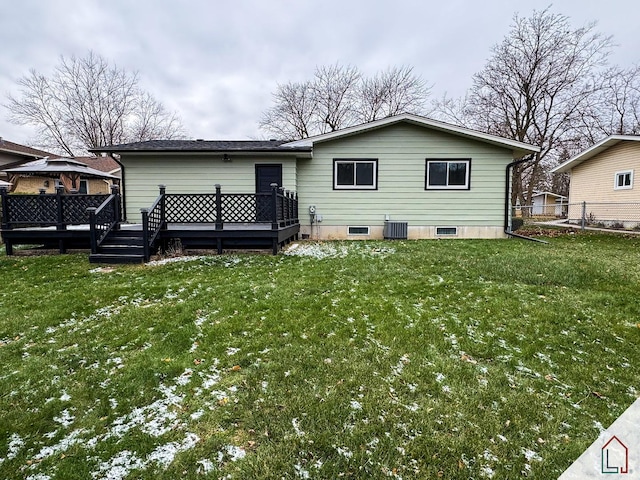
(312, 209)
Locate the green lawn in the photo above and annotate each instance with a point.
(458, 359)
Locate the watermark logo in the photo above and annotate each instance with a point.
(615, 457)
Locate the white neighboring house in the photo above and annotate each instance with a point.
(548, 203)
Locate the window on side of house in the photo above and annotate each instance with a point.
(355, 174)
(448, 174)
(84, 187)
(623, 180)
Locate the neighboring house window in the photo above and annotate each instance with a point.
(84, 186)
(623, 180)
(351, 174)
(448, 174)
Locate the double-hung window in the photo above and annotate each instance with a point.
(623, 180)
(448, 174)
(355, 174)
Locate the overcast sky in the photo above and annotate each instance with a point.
(217, 62)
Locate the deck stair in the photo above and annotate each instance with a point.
(120, 246)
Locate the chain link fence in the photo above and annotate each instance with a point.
(610, 215)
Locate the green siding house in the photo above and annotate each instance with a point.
(430, 178)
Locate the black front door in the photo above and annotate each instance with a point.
(265, 176)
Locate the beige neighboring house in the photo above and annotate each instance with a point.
(603, 176)
(605, 172)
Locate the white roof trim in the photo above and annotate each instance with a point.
(518, 147)
(599, 147)
(548, 193)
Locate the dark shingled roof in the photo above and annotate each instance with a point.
(203, 146)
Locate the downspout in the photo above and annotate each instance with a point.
(123, 191)
(507, 202)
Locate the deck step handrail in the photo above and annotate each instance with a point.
(153, 221)
(104, 219)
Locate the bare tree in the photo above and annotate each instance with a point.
(334, 93)
(87, 103)
(292, 116)
(339, 97)
(391, 92)
(616, 109)
(535, 88)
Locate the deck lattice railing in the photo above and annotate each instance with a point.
(221, 208)
(46, 209)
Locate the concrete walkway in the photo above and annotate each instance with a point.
(564, 224)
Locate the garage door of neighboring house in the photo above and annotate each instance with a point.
(266, 175)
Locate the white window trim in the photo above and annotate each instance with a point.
(624, 187)
(373, 161)
(466, 185)
(358, 234)
(85, 181)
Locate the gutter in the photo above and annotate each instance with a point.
(123, 191)
(507, 203)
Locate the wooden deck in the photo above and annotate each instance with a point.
(249, 221)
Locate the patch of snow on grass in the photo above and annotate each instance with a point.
(62, 446)
(65, 419)
(296, 428)
(165, 454)
(320, 250)
(15, 444)
(207, 466)
(119, 466)
(344, 451)
(301, 472)
(166, 261)
(531, 455)
(486, 471)
(235, 453)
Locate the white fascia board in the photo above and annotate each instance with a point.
(592, 151)
(516, 146)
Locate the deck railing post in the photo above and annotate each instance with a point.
(218, 207)
(295, 207)
(274, 206)
(115, 190)
(163, 206)
(93, 239)
(282, 206)
(287, 207)
(4, 197)
(145, 233)
(59, 208)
